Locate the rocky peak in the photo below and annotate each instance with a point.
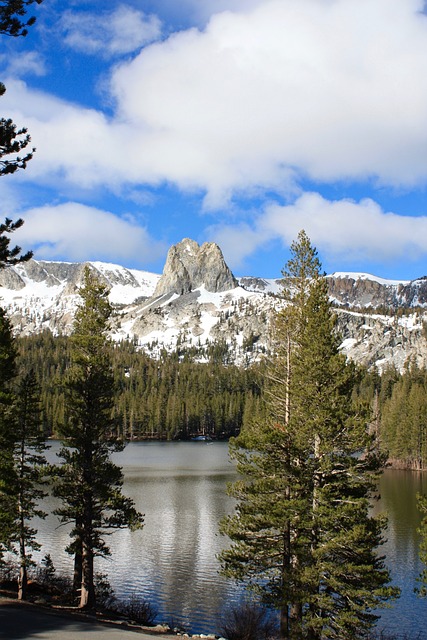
(190, 266)
(10, 279)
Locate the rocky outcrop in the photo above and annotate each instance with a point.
(190, 266)
(383, 340)
(260, 284)
(198, 303)
(362, 290)
(10, 279)
(414, 293)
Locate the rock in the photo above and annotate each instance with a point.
(189, 266)
(197, 303)
(10, 279)
(160, 628)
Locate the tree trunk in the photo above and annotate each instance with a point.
(288, 380)
(77, 573)
(87, 595)
(284, 622)
(23, 578)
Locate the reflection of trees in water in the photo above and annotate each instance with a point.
(185, 546)
(181, 489)
(172, 561)
(398, 490)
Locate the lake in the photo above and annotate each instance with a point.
(181, 488)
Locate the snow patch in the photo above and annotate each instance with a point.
(366, 276)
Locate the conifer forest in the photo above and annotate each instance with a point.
(177, 397)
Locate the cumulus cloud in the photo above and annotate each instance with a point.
(328, 90)
(82, 233)
(349, 230)
(260, 98)
(344, 230)
(110, 33)
(239, 241)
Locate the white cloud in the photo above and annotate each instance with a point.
(27, 62)
(317, 89)
(329, 90)
(350, 230)
(200, 11)
(344, 230)
(111, 33)
(239, 241)
(82, 233)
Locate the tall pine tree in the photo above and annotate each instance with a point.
(89, 483)
(8, 480)
(29, 460)
(302, 535)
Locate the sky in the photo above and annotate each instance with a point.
(239, 122)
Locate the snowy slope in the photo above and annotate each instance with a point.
(42, 295)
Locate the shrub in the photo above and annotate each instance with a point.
(248, 621)
(46, 573)
(138, 610)
(104, 592)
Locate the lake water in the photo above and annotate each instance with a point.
(181, 488)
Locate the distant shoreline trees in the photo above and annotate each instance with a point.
(166, 399)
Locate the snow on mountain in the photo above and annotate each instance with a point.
(352, 275)
(197, 302)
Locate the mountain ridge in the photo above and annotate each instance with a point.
(197, 301)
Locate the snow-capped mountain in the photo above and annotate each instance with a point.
(197, 301)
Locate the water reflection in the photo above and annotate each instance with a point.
(181, 489)
(398, 491)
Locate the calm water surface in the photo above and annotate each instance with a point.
(172, 562)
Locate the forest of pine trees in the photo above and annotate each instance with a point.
(399, 413)
(169, 398)
(177, 398)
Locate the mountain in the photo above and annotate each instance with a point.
(189, 266)
(197, 301)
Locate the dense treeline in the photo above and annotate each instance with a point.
(167, 398)
(174, 397)
(399, 412)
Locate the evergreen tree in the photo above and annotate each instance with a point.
(89, 483)
(9, 257)
(13, 140)
(8, 501)
(29, 460)
(11, 14)
(302, 535)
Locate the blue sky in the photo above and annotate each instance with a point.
(233, 121)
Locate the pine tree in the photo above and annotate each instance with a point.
(302, 536)
(89, 483)
(8, 480)
(13, 140)
(11, 12)
(29, 460)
